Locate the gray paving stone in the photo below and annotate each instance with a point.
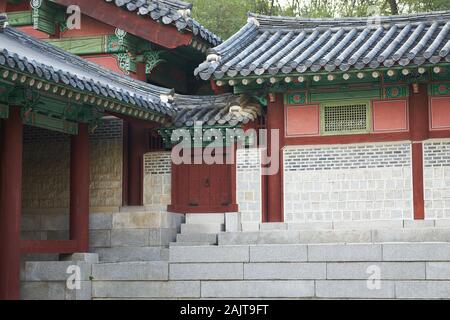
(389, 270)
(416, 252)
(145, 289)
(133, 271)
(274, 226)
(206, 271)
(257, 289)
(344, 252)
(284, 271)
(355, 289)
(218, 218)
(278, 253)
(210, 254)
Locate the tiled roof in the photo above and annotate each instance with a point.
(170, 12)
(225, 109)
(28, 55)
(272, 45)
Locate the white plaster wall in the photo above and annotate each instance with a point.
(348, 182)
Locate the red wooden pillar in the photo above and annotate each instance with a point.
(137, 146)
(274, 195)
(10, 205)
(419, 124)
(79, 188)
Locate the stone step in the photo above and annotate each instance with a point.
(126, 254)
(131, 271)
(355, 252)
(202, 228)
(208, 238)
(335, 236)
(192, 218)
(189, 244)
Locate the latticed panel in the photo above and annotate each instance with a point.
(345, 118)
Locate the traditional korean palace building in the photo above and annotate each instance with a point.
(356, 113)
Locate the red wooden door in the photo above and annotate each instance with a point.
(200, 188)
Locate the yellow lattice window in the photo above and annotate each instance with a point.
(345, 118)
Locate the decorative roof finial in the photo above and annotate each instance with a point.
(3, 21)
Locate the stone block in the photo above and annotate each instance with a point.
(54, 222)
(353, 289)
(368, 224)
(388, 270)
(145, 289)
(30, 222)
(310, 226)
(344, 252)
(232, 222)
(422, 289)
(81, 257)
(54, 270)
(217, 218)
(99, 238)
(250, 226)
(123, 254)
(131, 271)
(416, 252)
(278, 253)
(136, 220)
(202, 228)
(266, 237)
(284, 271)
(206, 271)
(414, 224)
(43, 290)
(257, 289)
(99, 221)
(442, 223)
(210, 254)
(438, 270)
(83, 293)
(274, 226)
(335, 236)
(129, 237)
(208, 238)
(161, 236)
(412, 235)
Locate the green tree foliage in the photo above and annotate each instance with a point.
(225, 17)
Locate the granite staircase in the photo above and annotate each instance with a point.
(398, 260)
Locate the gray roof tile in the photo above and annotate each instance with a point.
(272, 45)
(225, 109)
(24, 53)
(170, 12)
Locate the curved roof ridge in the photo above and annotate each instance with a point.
(296, 22)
